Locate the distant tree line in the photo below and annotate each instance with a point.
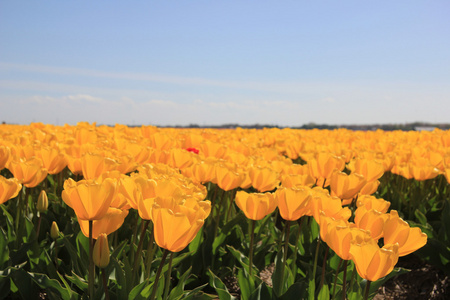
(365, 127)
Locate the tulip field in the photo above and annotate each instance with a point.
(118, 212)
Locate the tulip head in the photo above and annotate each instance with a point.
(54, 231)
(9, 188)
(373, 262)
(256, 205)
(100, 256)
(42, 203)
(398, 231)
(293, 203)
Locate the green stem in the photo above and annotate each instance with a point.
(169, 272)
(105, 284)
(344, 281)
(150, 254)
(353, 275)
(139, 248)
(38, 227)
(324, 264)
(285, 252)
(250, 256)
(366, 291)
(335, 278)
(133, 241)
(315, 259)
(158, 273)
(19, 210)
(297, 240)
(91, 275)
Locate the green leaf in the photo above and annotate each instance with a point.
(141, 292)
(262, 292)
(80, 266)
(120, 279)
(298, 290)
(51, 285)
(375, 285)
(80, 282)
(245, 284)
(311, 289)
(178, 291)
(420, 217)
(324, 293)
(243, 260)
(196, 242)
(11, 234)
(446, 220)
(219, 286)
(197, 294)
(4, 250)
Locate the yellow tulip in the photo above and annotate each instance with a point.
(398, 231)
(293, 180)
(331, 206)
(371, 202)
(111, 221)
(227, 177)
(9, 188)
(128, 188)
(29, 172)
(370, 187)
(346, 186)
(373, 262)
(204, 171)
(88, 198)
(5, 154)
(53, 159)
(263, 179)
(175, 226)
(371, 220)
(371, 169)
(256, 205)
(339, 235)
(93, 165)
(293, 203)
(323, 165)
(100, 255)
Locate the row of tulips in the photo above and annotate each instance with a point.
(147, 186)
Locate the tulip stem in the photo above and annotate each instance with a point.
(150, 254)
(315, 259)
(367, 290)
(139, 248)
(105, 284)
(169, 272)
(19, 210)
(158, 273)
(335, 278)
(250, 256)
(324, 264)
(287, 227)
(38, 227)
(133, 240)
(344, 280)
(297, 240)
(91, 262)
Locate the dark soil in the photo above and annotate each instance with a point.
(422, 282)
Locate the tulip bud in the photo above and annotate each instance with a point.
(54, 231)
(42, 203)
(101, 251)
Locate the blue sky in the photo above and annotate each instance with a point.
(284, 63)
